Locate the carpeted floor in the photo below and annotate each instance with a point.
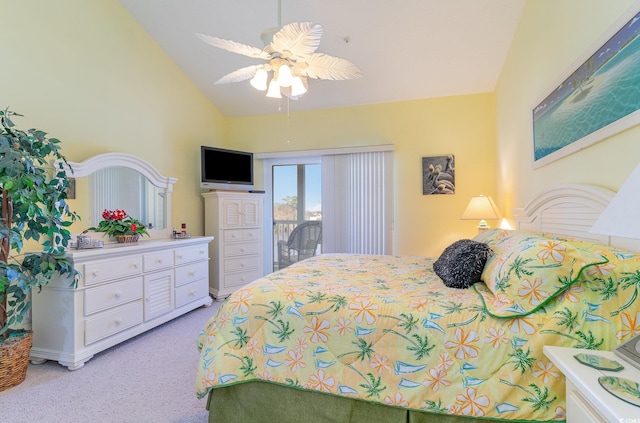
(150, 378)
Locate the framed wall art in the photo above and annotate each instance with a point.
(597, 100)
(438, 175)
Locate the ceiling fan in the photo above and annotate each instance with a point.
(290, 54)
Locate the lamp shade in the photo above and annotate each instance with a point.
(284, 76)
(259, 81)
(274, 89)
(621, 218)
(481, 208)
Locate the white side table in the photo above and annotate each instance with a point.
(587, 401)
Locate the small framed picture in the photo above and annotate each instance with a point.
(438, 175)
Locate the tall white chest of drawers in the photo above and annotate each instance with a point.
(234, 219)
(123, 290)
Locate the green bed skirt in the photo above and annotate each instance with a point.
(258, 402)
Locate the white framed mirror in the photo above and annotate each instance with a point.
(127, 182)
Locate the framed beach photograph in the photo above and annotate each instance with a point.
(438, 175)
(597, 100)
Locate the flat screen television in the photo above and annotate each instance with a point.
(226, 169)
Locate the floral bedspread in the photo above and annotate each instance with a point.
(385, 329)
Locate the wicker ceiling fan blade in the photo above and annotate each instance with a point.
(323, 66)
(239, 75)
(234, 47)
(298, 39)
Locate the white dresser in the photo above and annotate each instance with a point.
(123, 290)
(234, 219)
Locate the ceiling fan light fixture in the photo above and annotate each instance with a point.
(284, 76)
(259, 81)
(274, 89)
(297, 87)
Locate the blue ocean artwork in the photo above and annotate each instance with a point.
(603, 90)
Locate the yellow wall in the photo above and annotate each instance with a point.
(553, 38)
(461, 125)
(88, 74)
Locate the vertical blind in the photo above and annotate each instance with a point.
(357, 203)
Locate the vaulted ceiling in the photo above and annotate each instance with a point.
(406, 49)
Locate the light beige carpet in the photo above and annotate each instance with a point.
(150, 378)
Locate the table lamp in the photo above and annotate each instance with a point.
(481, 208)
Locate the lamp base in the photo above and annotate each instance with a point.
(483, 226)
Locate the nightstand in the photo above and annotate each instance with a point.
(587, 401)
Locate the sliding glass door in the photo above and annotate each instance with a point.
(296, 198)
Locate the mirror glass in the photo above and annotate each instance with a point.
(123, 188)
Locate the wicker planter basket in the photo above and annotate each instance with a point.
(123, 239)
(14, 360)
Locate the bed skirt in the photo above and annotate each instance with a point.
(268, 402)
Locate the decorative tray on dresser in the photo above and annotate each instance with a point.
(123, 290)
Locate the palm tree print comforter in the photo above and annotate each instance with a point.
(385, 329)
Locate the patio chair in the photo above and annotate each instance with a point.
(302, 243)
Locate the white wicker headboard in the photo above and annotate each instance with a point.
(570, 209)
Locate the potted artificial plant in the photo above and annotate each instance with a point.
(33, 210)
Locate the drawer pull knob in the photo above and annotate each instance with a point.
(242, 250)
(118, 294)
(158, 260)
(119, 321)
(94, 273)
(179, 256)
(192, 293)
(192, 273)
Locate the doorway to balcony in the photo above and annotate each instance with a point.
(296, 202)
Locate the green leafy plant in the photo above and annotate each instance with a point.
(118, 222)
(32, 209)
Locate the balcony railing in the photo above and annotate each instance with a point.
(281, 231)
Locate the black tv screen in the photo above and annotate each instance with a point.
(226, 169)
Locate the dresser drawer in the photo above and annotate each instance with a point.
(112, 294)
(112, 321)
(189, 254)
(242, 249)
(112, 269)
(192, 272)
(191, 292)
(240, 279)
(238, 235)
(241, 264)
(157, 260)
